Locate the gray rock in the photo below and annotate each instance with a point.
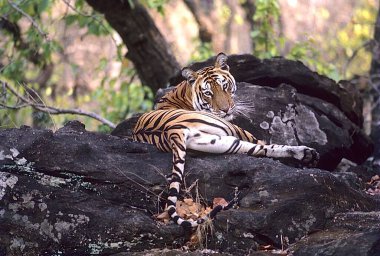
(80, 192)
(297, 119)
(351, 234)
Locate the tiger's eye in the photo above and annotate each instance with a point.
(208, 94)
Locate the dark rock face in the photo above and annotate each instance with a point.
(284, 116)
(79, 192)
(66, 191)
(351, 234)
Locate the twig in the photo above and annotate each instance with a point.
(355, 52)
(67, 2)
(373, 83)
(53, 110)
(34, 23)
(15, 107)
(136, 182)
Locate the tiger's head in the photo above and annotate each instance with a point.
(213, 88)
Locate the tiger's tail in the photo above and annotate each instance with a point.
(177, 141)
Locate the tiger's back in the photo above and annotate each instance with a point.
(155, 127)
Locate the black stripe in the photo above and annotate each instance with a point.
(175, 219)
(199, 101)
(233, 146)
(173, 192)
(178, 170)
(186, 225)
(176, 126)
(237, 149)
(179, 161)
(196, 120)
(180, 145)
(171, 211)
(251, 150)
(183, 91)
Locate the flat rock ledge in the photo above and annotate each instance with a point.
(75, 192)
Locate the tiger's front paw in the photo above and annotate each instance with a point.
(310, 157)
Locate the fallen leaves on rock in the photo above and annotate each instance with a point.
(186, 209)
(189, 209)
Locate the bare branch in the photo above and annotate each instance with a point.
(15, 107)
(34, 23)
(51, 110)
(369, 43)
(67, 2)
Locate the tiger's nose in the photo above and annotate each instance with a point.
(225, 109)
(228, 110)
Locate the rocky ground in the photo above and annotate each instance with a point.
(76, 192)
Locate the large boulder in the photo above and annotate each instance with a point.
(282, 115)
(78, 192)
(276, 71)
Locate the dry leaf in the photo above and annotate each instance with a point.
(375, 178)
(188, 201)
(219, 201)
(181, 209)
(279, 252)
(195, 208)
(164, 217)
(266, 247)
(194, 240)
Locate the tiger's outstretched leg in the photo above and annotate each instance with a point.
(210, 143)
(221, 144)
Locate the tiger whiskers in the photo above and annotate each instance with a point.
(243, 103)
(243, 108)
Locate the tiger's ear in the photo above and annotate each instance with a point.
(190, 75)
(221, 61)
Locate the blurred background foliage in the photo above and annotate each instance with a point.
(62, 53)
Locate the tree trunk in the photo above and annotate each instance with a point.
(375, 82)
(250, 10)
(201, 12)
(147, 48)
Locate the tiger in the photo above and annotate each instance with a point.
(196, 115)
